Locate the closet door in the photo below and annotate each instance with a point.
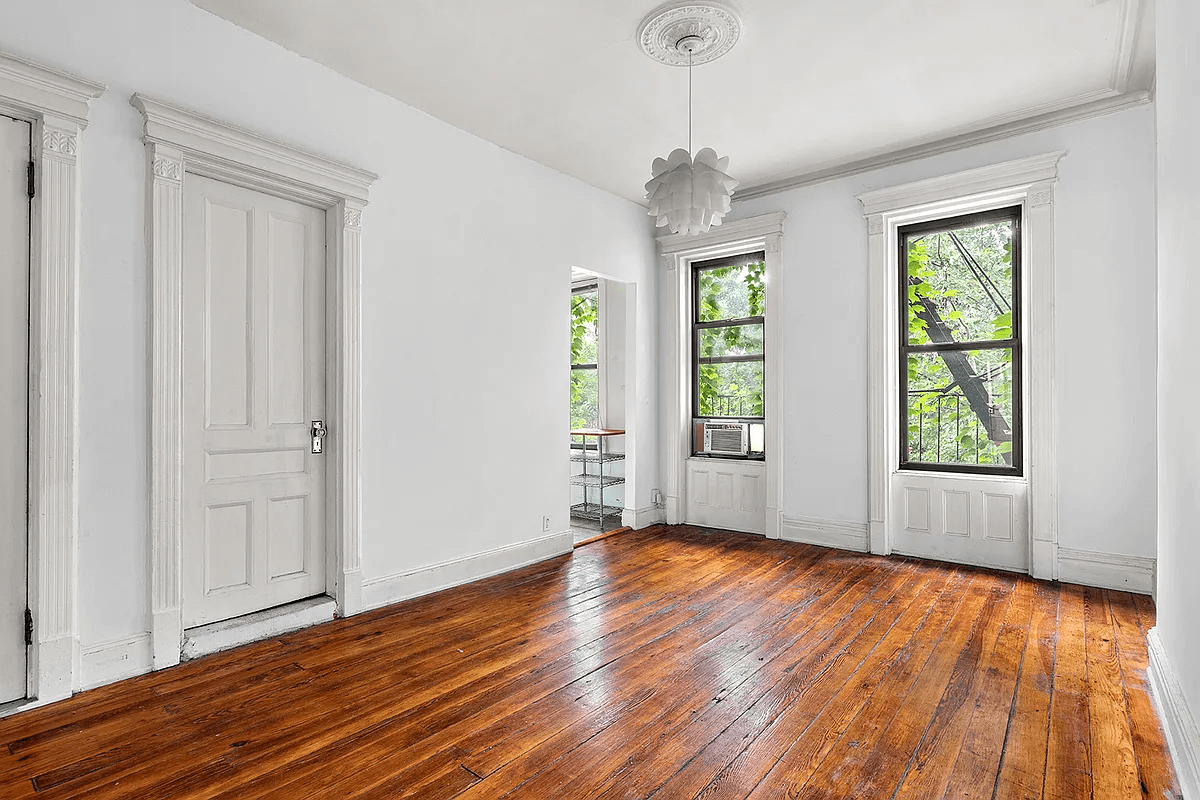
(14, 403)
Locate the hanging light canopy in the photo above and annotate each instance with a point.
(689, 194)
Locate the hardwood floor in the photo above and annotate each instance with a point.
(669, 662)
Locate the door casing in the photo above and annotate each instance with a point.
(180, 143)
(56, 103)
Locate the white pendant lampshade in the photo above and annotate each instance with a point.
(690, 196)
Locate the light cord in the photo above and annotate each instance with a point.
(689, 103)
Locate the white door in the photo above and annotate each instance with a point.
(254, 382)
(968, 520)
(14, 399)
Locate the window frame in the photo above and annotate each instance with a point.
(1015, 214)
(748, 257)
(584, 288)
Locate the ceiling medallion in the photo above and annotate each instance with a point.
(714, 26)
(688, 195)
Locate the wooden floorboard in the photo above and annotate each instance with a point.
(672, 662)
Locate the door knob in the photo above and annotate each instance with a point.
(318, 435)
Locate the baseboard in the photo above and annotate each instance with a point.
(257, 626)
(1183, 737)
(1106, 570)
(115, 661)
(638, 518)
(378, 592)
(842, 534)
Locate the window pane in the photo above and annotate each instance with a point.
(960, 284)
(585, 398)
(585, 307)
(960, 407)
(736, 340)
(733, 292)
(731, 390)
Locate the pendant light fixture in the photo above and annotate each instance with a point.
(689, 194)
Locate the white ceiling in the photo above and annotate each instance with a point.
(811, 87)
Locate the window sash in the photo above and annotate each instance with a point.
(1013, 343)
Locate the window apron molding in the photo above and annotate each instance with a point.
(1027, 182)
(56, 104)
(678, 252)
(181, 143)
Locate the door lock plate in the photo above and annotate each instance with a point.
(318, 435)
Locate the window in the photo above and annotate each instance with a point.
(960, 344)
(729, 306)
(585, 382)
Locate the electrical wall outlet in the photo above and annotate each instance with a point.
(546, 524)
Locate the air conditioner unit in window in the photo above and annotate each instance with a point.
(727, 438)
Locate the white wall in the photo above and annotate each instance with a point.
(1178, 106)
(467, 249)
(1105, 256)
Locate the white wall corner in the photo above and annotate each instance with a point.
(1178, 721)
(388, 589)
(1106, 570)
(842, 534)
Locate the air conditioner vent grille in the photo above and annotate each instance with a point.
(726, 438)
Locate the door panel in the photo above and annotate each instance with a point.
(14, 402)
(969, 520)
(726, 493)
(254, 366)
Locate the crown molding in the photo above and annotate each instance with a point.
(1070, 112)
(26, 86)
(201, 138)
(1007, 175)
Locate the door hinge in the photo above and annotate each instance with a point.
(28, 627)
(29, 174)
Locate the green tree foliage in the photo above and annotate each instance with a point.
(735, 292)
(585, 388)
(960, 289)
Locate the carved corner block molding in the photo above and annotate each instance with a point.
(56, 103)
(1041, 197)
(58, 141)
(875, 224)
(183, 143)
(168, 168)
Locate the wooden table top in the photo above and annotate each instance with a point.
(596, 432)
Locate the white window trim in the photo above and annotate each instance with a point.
(56, 105)
(679, 251)
(1028, 182)
(181, 143)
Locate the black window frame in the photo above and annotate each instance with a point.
(750, 257)
(586, 288)
(1014, 342)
